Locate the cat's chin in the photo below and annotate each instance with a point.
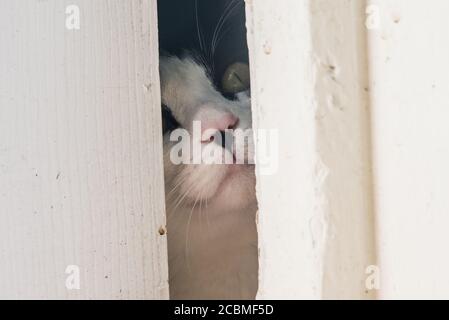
(237, 188)
(226, 188)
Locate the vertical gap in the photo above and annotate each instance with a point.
(211, 208)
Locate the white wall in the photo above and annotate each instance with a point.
(80, 144)
(362, 176)
(309, 82)
(289, 255)
(409, 84)
(360, 93)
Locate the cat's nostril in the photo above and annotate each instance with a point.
(227, 121)
(209, 135)
(210, 127)
(232, 122)
(207, 139)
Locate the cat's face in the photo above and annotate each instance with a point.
(189, 93)
(205, 77)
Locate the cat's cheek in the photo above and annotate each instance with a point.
(237, 191)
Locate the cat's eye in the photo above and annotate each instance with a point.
(236, 78)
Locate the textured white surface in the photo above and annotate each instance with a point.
(80, 167)
(289, 256)
(308, 81)
(343, 144)
(410, 101)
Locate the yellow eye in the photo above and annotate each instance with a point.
(236, 78)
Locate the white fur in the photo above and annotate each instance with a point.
(211, 209)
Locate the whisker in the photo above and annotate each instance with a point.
(216, 41)
(226, 17)
(211, 52)
(198, 29)
(223, 35)
(182, 199)
(187, 233)
(201, 207)
(178, 201)
(181, 181)
(202, 59)
(214, 35)
(207, 214)
(172, 197)
(202, 214)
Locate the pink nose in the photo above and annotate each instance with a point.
(217, 124)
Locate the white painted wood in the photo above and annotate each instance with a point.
(80, 145)
(288, 254)
(80, 151)
(343, 144)
(308, 64)
(410, 99)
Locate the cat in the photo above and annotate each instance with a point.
(211, 208)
